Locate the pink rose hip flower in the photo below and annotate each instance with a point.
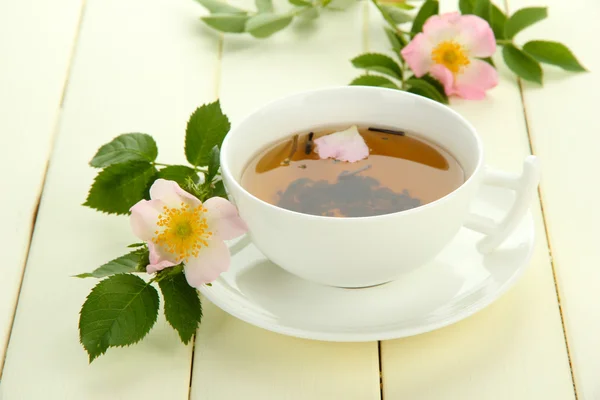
(449, 48)
(179, 228)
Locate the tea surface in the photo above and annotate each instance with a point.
(401, 172)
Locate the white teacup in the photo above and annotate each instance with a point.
(365, 251)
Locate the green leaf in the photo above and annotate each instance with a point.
(489, 61)
(213, 164)
(130, 262)
(179, 174)
(553, 53)
(231, 23)
(126, 147)
(397, 41)
(424, 88)
(206, 129)
(301, 3)
(466, 6)
(309, 13)
(401, 5)
(522, 19)
(119, 311)
(219, 190)
(497, 21)
(264, 25)
(219, 7)
(374, 80)
(134, 245)
(397, 16)
(264, 6)
(437, 85)
(429, 8)
(481, 8)
(119, 186)
(183, 309)
(522, 64)
(378, 63)
(339, 5)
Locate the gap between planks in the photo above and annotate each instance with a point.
(53, 136)
(546, 232)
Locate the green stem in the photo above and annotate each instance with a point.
(503, 41)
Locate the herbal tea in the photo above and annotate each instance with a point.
(401, 171)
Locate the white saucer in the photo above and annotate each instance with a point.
(457, 284)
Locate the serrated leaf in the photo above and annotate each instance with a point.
(481, 8)
(397, 41)
(466, 6)
(424, 88)
(219, 190)
(119, 311)
(553, 53)
(206, 129)
(230, 23)
(213, 164)
(301, 3)
(220, 7)
(396, 15)
(264, 5)
(264, 25)
(119, 186)
(130, 262)
(378, 63)
(374, 80)
(497, 21)
(437, 85)
(179, 174)
(522, 64)
(522, 19)
(429, 8)
(126, 147)
(183, 309)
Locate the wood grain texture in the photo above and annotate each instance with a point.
(515, 348)
(564, 127)
(36, 41)
(141, 66)
(236, 360)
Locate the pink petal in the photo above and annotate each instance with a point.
(439, 28)
(210, 263)
(144, 216)
(346, 145)
(223, 219)
(418, 54)
(157, 261)
(476, 35)
(171, 194)
(473, 82)
(444, 75)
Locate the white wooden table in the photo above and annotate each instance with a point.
(75, 73)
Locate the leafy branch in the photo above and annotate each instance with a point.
(123, 307)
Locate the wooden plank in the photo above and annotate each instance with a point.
(141, 65)
(564, 126)
(514, 349)
(236, 360)
(32, 76)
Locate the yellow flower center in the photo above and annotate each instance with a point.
(184, 232)
(451, 55)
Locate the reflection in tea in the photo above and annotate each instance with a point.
(401, 172)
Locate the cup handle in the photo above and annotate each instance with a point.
(525, 186)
